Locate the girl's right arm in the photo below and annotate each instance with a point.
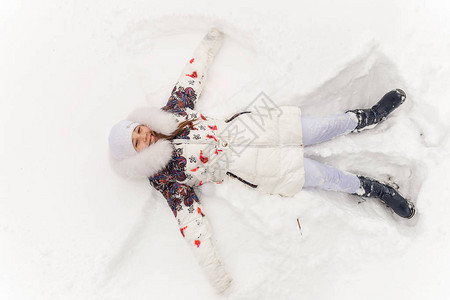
(192, 79)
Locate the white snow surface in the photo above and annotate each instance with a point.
(70, 228)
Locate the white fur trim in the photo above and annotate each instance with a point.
(155, 118)
(154, 158)
(146, 163)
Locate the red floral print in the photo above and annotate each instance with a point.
(200, 212)
(193, 75)
(211, 137)
(203, 158)
(182, 230)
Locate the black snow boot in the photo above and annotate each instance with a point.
(388, 195)
(369, 117)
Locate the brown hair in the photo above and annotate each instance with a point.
(181, 126)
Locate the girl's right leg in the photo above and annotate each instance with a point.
(316, 130)
(320, 129)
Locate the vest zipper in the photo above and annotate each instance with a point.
(188, 141)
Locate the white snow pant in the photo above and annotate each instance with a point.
(320, 129)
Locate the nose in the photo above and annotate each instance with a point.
(146, 137)
(140, 137)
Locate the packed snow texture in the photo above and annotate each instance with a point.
(70, 228)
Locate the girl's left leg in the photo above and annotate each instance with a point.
(318, 175)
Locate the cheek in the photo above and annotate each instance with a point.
(141, 146)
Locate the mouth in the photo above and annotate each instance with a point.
(151, 138)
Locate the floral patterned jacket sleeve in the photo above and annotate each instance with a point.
(191, 81)
(194, 226)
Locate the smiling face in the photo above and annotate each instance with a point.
(143, 137)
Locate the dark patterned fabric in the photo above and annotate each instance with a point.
(167, 182)
(180, 99)
(184, 134)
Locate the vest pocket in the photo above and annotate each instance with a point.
(241, 180)
(236, 115)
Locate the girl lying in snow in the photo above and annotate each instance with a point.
(177, 148)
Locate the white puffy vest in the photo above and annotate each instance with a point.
(261, 148)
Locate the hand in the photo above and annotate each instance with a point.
(214, 32)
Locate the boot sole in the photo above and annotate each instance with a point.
(402, 92)
(412, 207)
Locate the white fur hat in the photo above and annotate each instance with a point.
(120, 139)
(129, 163)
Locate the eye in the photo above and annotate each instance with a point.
(139, 129)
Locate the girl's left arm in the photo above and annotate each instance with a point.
(191, 81)
(195, 228)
